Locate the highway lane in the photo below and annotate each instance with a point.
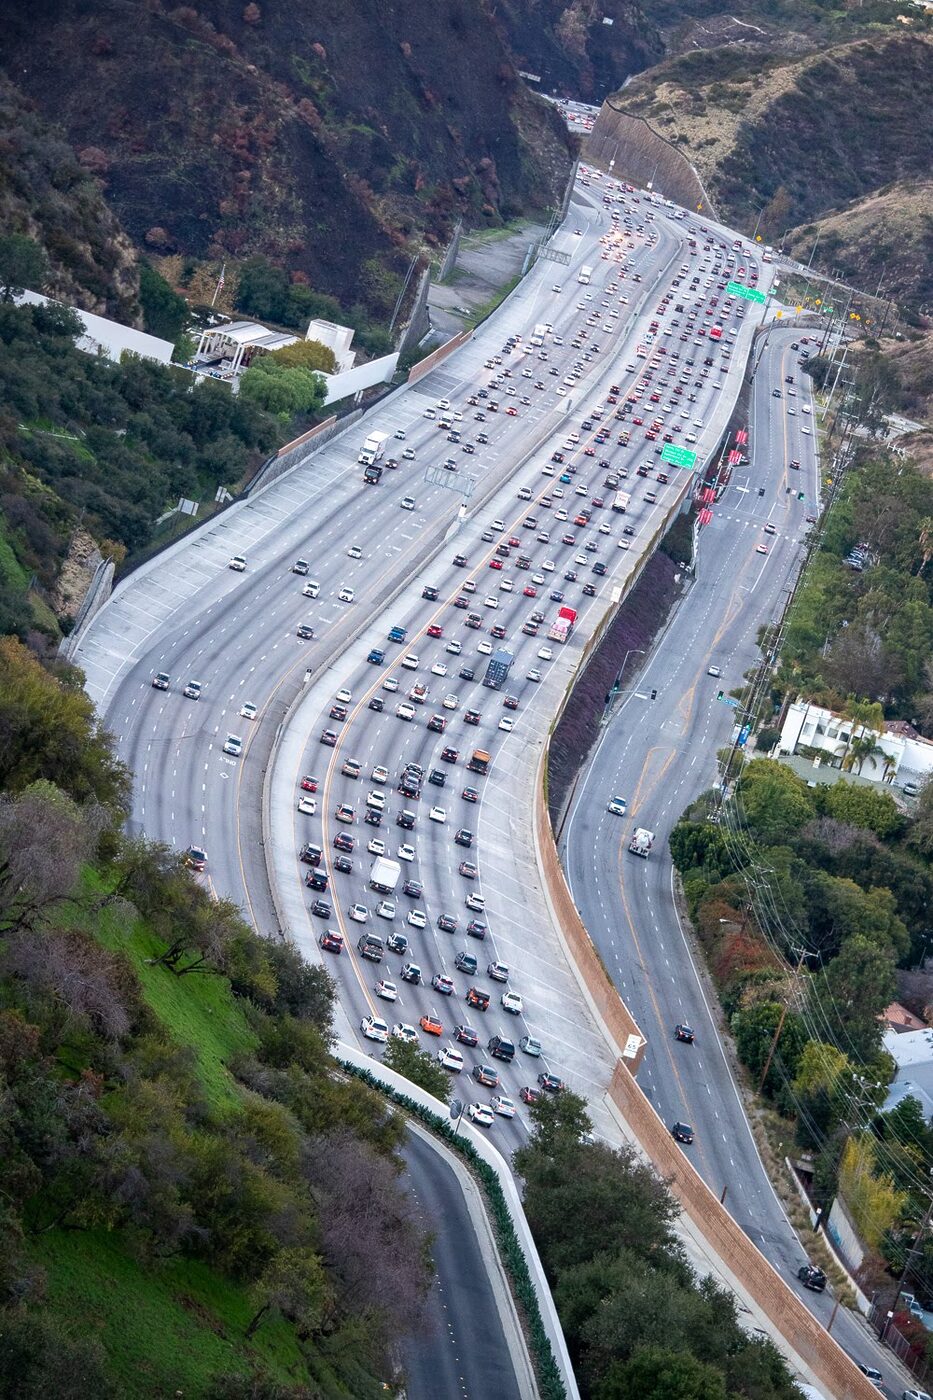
(553, 1011)
(470, 1345)
(661, 755)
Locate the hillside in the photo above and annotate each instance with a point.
(580, 50)
(47, 195)
(887, 235)
(336, 140)
(793, 137)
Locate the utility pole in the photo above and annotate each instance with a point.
(910, 1253)
(780, 1025)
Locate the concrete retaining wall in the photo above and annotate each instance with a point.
(435, 358)
(351, 381)
(419, 322)
(350, 1055)
(98, 591)
(295, 451)
(449, 260)
(641, 154)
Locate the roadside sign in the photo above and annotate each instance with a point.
(678, 456)
(729, 700)
(738, 289)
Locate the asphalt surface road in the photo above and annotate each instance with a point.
(463, 1349)
(659, 755)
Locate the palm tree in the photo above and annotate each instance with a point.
(864, 747)
(925, 542)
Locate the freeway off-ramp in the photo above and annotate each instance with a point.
(189, 615)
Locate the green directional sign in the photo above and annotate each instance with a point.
(738, 289)
(678, 456)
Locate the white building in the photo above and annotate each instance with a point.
(224, 351)
(904, 755)
(912, 1052)
(336, 338)
(109, 338)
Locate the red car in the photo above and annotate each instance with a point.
(495, 563)
(515, 542)
(435, 630)
(512, 412)
(529, 1094)
(331, 941)
(309, 784)
(530, 591)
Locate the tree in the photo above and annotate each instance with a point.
(855, 988)
(418, 1066)
(294, 1284)
(282, 391)
(761, 1027)
(49, 730)
(164, 311)
(44, 839)
(306, 354)
(559, 1121)
(775, 802)
(863, 806)
(23, 265)
(654, 1373)
(40, 1356)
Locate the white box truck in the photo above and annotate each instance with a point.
(539, 334)
(373, 448)
(384, 875)
(622, 501)
(585, 274)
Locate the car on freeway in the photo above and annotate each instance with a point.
(374, 1028)
(233, 745)
(307, 806)
(359, 913)
(529, 1094)
(498, 971)
(481, 1114)
(345, 595)
(195, 858)
(161, 680)
(486, 1075)
(682, 1132)
(684, 1033)
(512, 1002)
(431, 1024)
(402, 1031)
(550, 1083)
(530, 1045)
(237, 564)
(331, 941)
(812, 1277)
(450, 1058)
(386, 989)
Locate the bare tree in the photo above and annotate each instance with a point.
(44, 839)
(81, 979)
(370, 1239)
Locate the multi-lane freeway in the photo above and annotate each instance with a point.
(625, 362)
(661, 755)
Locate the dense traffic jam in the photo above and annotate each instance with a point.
(389, 795)
(416, 736)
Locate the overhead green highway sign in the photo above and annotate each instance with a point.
(738, 289)
(678, 456)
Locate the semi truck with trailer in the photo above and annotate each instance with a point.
(641, 842)
(497, 668)
(384, 875)
(373, 448)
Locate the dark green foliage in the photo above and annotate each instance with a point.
(164, 311)
(40, 1358)
(419, 1066)
(22, 265)
(118, 443)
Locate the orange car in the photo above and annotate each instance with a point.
(431, 1025)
